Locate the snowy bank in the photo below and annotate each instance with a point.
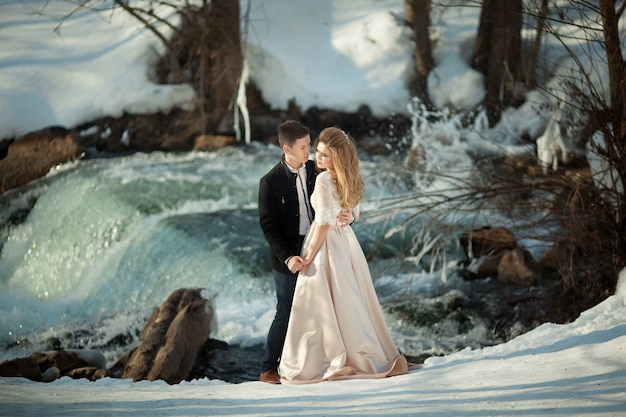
(572, 369)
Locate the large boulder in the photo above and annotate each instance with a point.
(172, 339)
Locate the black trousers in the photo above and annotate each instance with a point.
(285, 287)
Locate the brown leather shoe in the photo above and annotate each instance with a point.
(270, 376)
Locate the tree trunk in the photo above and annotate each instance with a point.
(531, 72)
(226, 61)
(497, 54)
(616, 66)
(418, 13)
(615, 141)
(209, 51)
(482, 45)
(408, 13)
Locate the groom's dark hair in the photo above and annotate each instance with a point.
(290, 131)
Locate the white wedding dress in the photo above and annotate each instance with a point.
(336, 327)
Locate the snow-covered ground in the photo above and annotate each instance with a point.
(577, 369)
(333, 55)
(336, 53)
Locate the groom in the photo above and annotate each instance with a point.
(285, 214)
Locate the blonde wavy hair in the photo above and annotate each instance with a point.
(348, 183)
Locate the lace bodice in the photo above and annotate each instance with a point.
(325, 203)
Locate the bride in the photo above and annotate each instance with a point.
(336, 328)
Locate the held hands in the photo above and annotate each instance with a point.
(305, 264)
(297, 264)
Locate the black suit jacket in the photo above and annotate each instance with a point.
(279, 211)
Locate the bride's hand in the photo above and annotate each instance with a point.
(304, 265)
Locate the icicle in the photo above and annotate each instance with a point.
(242, 104)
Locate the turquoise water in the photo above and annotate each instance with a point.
(98, 244)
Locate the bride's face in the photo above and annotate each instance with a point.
(323, 157)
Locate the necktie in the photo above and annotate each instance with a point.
(306, 198)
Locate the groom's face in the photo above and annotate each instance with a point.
(299, 152)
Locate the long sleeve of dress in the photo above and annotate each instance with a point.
(325, 205)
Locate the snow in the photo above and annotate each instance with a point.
(571, 369)
(96, 65)
(334, 54)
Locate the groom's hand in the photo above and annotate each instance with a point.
(345, 217)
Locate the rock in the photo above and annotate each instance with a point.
(559, 255)
(118, 368)
(517, 266)
(21, 367)
(50, 374)
(212, 142)
(487, 241)
(32, 156)
(92, 358)
(486, 266)
(91, 373)
(484, 249)
(48, 366)
(493, 252)
(65, 361)
(172, 338)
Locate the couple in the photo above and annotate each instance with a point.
(328, 323)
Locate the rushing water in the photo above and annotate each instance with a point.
(89, 251)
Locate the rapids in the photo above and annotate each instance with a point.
(90, 250)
